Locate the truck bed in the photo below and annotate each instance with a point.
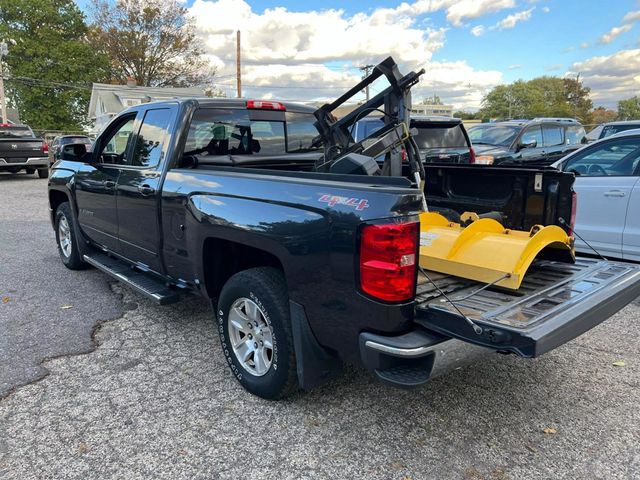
(556, 302)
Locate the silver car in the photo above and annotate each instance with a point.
(608, 190)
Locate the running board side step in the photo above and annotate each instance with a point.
(141, 282)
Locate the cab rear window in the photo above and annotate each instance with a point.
(16, 132)
(218, 131)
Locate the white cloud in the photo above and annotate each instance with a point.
(313, 55)
(611, 77)
(584, 45)
(516, 66)
(612, 34)
(631, 17)
(468, 9)
(478, 30)
(511, 20)
(546, 9)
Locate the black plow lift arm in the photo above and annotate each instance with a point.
(394, 103)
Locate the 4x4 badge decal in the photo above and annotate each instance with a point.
(357, 203)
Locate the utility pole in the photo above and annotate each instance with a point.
(575, 100)
(238, 74)
(4, 50)
(367, 70)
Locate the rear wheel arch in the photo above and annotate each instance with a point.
(224, 258)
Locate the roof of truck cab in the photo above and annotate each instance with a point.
(209, 102)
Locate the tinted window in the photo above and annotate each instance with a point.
(68, 140)
(300, 132)
(151, 138)
(575, 134)
(368, 127)
(609, 130)
(615, 158)
(502, 135)
(595, 133)
(552, 136)
(438, 136)
(530, 135)
(16, 132)
(233, 132)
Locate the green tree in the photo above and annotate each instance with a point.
(465, 115)
(629, 109)
(152, 41)
(50, 65)
(540, 97)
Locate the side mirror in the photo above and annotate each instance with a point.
(75, 152)
(532, 144)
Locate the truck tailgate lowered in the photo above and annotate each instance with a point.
(555, 303)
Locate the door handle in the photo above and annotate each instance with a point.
(146, 190)
(614, 193)
(109, 184)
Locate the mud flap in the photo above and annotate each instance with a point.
(315, 364)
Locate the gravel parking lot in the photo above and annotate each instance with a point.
(139, 391)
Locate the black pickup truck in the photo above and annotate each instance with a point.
(307, 267)
(20, 149)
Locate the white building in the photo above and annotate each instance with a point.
(108, 100)
(432, 110)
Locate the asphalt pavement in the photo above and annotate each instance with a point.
(135, 390)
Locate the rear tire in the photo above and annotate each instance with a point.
(255, 331)
(43, 172)
(31, 171)
(66, 238)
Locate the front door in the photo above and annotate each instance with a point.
(604, 182)
(139, 189)
(96, 185)
(534, 152)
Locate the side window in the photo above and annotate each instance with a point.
(618, 158)
(113, 147)
(575, 135)
(552, 135)
(150, 141)
(530, 135)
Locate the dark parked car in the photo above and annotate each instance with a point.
(55, 149)
(439, 139)
(20, 149)
(611, 128)
(540, 141)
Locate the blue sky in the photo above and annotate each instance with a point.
(467, 46)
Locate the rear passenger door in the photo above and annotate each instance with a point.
(553, 141)
(604, 183)
(138, 187)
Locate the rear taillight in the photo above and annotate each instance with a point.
(472, 156)
(388, 261)
(403, 155)
(574, 211)
(264, 105)
(45, 147)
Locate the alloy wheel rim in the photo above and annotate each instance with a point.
(251, 336)
(64, 236)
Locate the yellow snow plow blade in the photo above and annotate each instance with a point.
(485, 251)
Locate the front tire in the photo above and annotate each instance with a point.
(66, 238)
(255, 331)
(43, 172)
